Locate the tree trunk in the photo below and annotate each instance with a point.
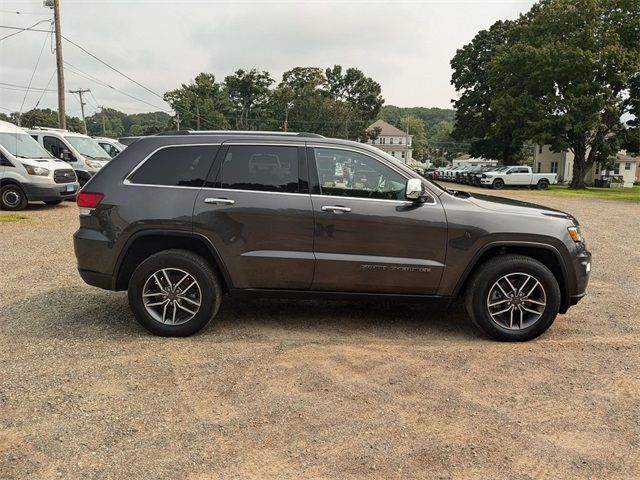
(579, 169)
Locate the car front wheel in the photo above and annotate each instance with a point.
(174, 293)
(12, 197)
(513, 298)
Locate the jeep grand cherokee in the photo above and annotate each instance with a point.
(183, 218)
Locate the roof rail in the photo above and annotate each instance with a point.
(240, 132)
(49, 129)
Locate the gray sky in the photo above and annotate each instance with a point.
(405, 46)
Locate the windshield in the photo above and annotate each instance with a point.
(87, 147)
(22, 145)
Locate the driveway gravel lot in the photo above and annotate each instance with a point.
(277, 389)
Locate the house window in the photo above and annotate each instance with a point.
(384, 140)
(403, 155)
(627, 166)
(616, 169)
(554, 167)
(393, 154)
(597, 168)
(391, 140)
(539, 148)
(539, 167)
(400, 141)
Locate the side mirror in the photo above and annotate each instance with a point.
(414, 190)
(65, 155)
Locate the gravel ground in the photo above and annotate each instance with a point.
(276, 389)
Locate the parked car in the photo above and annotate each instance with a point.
(29, 174)
(180, 220)
(517, 176)
(109, 145)
(80, 151)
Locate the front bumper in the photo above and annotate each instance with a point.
(582, 271)
(49, 193)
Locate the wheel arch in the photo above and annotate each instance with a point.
(145, 243)
(546, 254)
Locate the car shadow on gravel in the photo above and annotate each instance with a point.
(86, 313)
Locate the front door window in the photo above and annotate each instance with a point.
(344, 173)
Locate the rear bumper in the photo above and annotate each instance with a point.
(97, 279)
(46, 193)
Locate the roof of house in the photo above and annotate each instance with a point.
(387, 130)
(622, 156)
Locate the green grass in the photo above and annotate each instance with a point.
(622, 194)
(11, 217)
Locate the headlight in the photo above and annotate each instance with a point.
(574, 233)
(487, 176)
(91, 164)
(40, 171)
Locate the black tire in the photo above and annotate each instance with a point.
(53, 202)
(210, 291)
(481, 284)
(543, 185)
(12, 198)
(497, 184)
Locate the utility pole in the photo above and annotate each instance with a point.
(104, 123)
(55, 4)
(177, 120)
(80, 92)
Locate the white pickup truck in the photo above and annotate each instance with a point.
(517, 176)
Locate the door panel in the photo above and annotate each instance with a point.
(264, 237)
(372, 242)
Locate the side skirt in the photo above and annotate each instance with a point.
(331, 295)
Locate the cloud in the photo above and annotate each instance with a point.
(406, 46)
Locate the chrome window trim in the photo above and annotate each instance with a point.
(399, 202)
(127, 180)
(253, 191)
(384, 162)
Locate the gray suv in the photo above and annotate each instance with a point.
(183, 218)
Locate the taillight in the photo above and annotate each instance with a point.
(89, 199)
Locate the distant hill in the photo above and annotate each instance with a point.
(430, 116)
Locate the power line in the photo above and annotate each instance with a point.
(20, 30)
(104, 84)
(43, 91)
(113, 68)
(31, 80)
(23, 87)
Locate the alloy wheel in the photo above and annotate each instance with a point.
(516, 301)
(172, 296)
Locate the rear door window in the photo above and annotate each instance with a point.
(177, 166)
(265, 168)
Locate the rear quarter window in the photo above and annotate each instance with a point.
(180, 166)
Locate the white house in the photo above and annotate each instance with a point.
(468, 160)
(545, 160)
(393, 141)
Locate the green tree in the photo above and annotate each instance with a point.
(357, 101)
(562, 74)
(248, 90)
(201, 104)
(44, 117)
(475, 116)
(416, 127)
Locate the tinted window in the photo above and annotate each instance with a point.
(54, 146)
(260, 167)
(344, 173)
(186, 166)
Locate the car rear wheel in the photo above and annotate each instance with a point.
(513, 298)
(174, 293)
(497, 184)
(12, 198)
(543, 185)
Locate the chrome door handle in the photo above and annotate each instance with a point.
(336, 209)
(219, 201)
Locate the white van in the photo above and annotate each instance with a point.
(80, 151)
(28, 173)
(109, 145)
